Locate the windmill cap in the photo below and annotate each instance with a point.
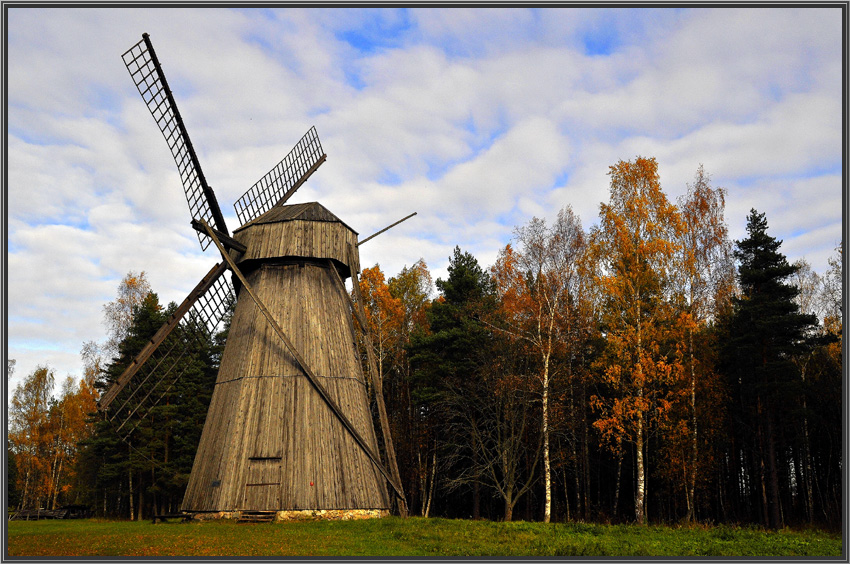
(309, 211)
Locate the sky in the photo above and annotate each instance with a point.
(476, 119)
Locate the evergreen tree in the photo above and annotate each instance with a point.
(144, 466)
(766, 331)
(451, 350)
(448, 358)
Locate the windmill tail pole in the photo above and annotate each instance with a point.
(360, 316)
(372, 236)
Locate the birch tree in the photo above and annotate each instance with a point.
(634, 247)
(28, 433)
(538, 288)
(704, 268)
(118, 314)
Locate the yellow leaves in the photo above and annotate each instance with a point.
(412, 286)
(646, 252)
(394, 309)
(118, 314)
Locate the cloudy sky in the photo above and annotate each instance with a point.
(476, 119)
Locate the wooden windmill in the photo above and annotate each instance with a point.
(289, 425)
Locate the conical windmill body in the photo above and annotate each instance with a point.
(289, 425)
(270, 440)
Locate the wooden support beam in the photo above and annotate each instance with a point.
(163, 332)
(360, 315)
(311, 377)
(373, 235)
(226, 240)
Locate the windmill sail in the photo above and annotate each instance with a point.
(144, 68)
(155, 370)
(283, 180)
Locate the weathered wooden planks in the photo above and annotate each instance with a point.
(263, 405)
(301, 230)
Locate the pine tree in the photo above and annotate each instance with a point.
(145, 465)
(766, 331)
(449, 357)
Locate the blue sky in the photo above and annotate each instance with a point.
(477, 119)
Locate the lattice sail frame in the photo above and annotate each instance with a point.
(160, 372)
(282, 180)
(150, 81)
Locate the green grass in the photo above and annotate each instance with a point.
(399, 537)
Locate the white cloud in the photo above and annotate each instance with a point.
(476, 119)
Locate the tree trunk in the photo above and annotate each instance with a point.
(433, 480)
(118, 499)
(692, 478)
(547, 468)
(51, 495)
(807, 457)
(585, 455)
(640, 491)
(574, 451)
(567, 515)
(775, 509)
(617, 485)
(476, 501)
(423, 473)
(762, 473)
(58, 480)
(26, 490)
(509, 510)
(140, 514)
(132, 502)
(577, 476)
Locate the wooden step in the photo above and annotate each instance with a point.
(257, 517)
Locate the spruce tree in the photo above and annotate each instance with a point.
(766, 331)
(157, 456)
(447, 360)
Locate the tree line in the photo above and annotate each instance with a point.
(646, 369)
(114, 472)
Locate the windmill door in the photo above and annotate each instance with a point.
(263, 468)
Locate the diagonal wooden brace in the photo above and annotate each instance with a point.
(360, 315)
(311, 377)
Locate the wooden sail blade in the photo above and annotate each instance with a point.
(373, 235)
(165, 379)
(196, 294)
(152, 380)
(144, 68)
(308, 372)
(283, 180)
(360, 315)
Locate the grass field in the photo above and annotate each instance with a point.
(397, 537)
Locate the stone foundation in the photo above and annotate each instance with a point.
(304, 515)
(331, 514)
